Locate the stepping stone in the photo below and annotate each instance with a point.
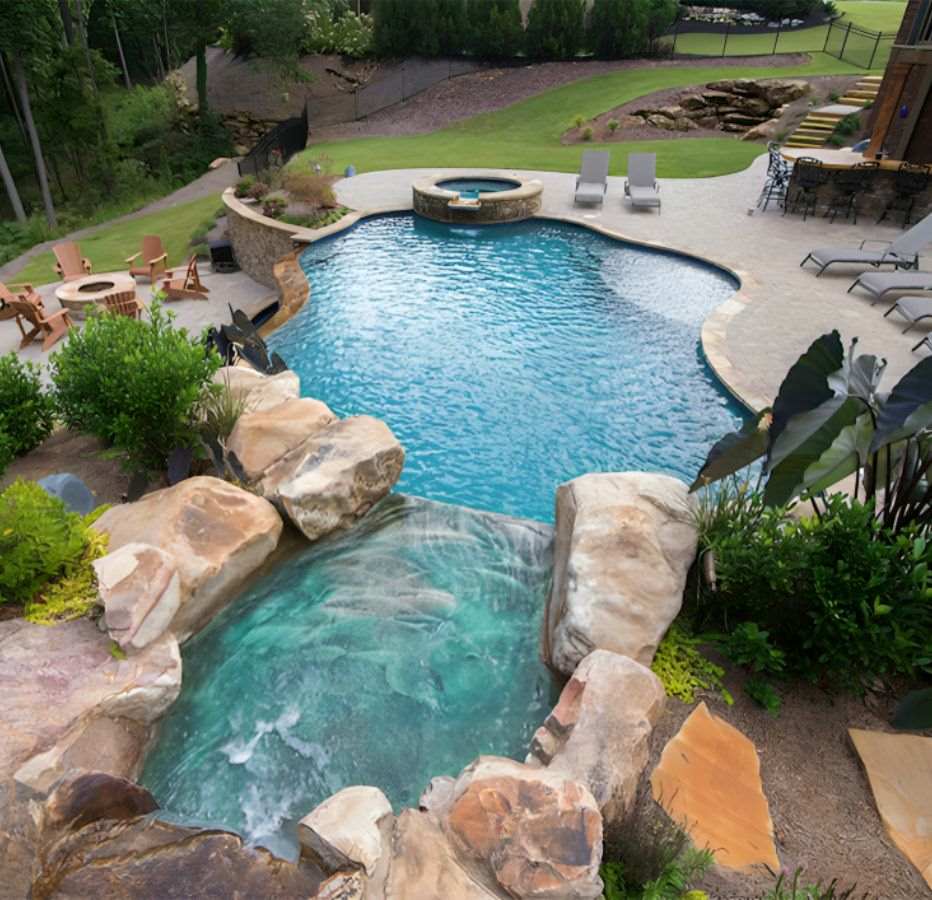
(899, 768)
(708, 780)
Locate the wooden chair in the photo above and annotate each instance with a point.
(186, 287)
(69, 264)
(124, 303)
(154, 261)
(7, 296)
(53, 327)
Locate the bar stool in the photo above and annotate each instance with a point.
(810, 176)
(777, 180)
(848, 185)
(908, 183)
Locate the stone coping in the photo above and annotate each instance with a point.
(527, 187)
(714, 328)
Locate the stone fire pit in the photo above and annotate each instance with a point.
(77, 296)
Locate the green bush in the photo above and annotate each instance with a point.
(835, 597)
(333, 28)
(6, 451)
(26, 411)
(494, 28)
(555, 29)
(244, 186)
(135, 384)
(39, 540)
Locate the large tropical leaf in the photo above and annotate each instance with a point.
(806, 385)
(735, 451)
(821, 441)
(859, 376)
(908, 408)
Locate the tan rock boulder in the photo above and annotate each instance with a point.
(139, 588)
(624, 544)
(692, 101)
(424, 865)
(684, 124)
(350, 830)
(90, 796)
(778, 92)
(709, 779)
(599, 732)
(659, 121)
(766, 131)
(528, 832)
(336, 475)
(263, 437)
(257, 390)
(216, 533)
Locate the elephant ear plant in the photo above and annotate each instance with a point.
(830, 421)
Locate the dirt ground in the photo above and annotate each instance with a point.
(491, 89)
(823, 812)
(822, 89)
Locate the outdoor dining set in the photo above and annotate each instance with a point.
(82, 292)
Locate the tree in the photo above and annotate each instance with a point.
(555, 29)
(27, 37)
(11, 191)
(618, 28)
(661, 14)
(495, 29)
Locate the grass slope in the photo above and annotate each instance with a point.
(109, 247)
(526, 135)
(875, 15)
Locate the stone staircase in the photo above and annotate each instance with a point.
(819, 124)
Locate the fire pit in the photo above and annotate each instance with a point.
(79, 295)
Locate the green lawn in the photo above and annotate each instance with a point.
(875, 15)
(109, 247)
(526, 135)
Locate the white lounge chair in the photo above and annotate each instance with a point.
(592, 181)
(641, 187)
(913, 309)
(879, 284)
(925, 342)
(902, 253)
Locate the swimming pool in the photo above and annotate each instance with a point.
(478, 185)
(510, 358)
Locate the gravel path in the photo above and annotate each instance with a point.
(212, 182)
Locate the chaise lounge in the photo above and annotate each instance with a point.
(902, 253)
(879, 284)
(913, 309)
(592, 182)
(641, 188)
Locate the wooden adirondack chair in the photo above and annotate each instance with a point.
(53, 327)
(7, 296)
(70, 265)
(125, 303)
(186, 287)
(154, 260)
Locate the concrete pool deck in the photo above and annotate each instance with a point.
(755, 336)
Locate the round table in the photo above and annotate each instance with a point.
(79, 295)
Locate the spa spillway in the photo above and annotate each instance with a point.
(476, 198)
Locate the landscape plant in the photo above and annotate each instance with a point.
(555, 29)
(683, 670)
(494, 29)
(27, 413)
(135, 384)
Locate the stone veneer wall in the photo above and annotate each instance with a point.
(503, 206)
(259, 242)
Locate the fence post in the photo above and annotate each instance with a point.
(676, 34)
(841, 53)
(356, 103)
(776, 41)
(725, 42)
(828, 35)
(874, 51)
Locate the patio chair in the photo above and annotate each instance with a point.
(52, 327)
(7, 296)
(908, 183)
(592, 182)
(124, 303)
(913, 309)
(641, 186)
(69, 263)
(847, 186)
(925, 342)
(902, 253)
(879, 284)
(777, 179)
(187, 286)
(810, 176)
(153, 262)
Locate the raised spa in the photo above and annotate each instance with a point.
(484, 199)
(478, 185)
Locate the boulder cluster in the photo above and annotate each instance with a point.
(736, 105)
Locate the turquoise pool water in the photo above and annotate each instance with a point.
(510, 358)
(398, 651)
(478, 185)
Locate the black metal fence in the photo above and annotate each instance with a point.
(841, 38)
(276, 147)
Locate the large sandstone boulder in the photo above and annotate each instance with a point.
(261, 438)
(86, 797)
(336, 475)
(256, 390)
(776, 93)
(216, 533)
(766, 131)
(350, 830)
(528, 832)
(623, 547)
(599, 732)
(692, 101)
(139, 588)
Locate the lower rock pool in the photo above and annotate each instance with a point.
(395, 652)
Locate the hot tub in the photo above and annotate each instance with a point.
(477, 198)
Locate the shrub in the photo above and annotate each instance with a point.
(618, 27)
(795, 891)
(613, 125)
(835, 597)
(494, 28)
(587, 134)
(244, 186)
(26, 411)
(6, 451)
(134, 384)
(274, 207)
(578, 121)
(257, 191)
(310, 188)
(337, 30)
(683, 670)
(318, 220)
(39, 540)
(555, 29)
